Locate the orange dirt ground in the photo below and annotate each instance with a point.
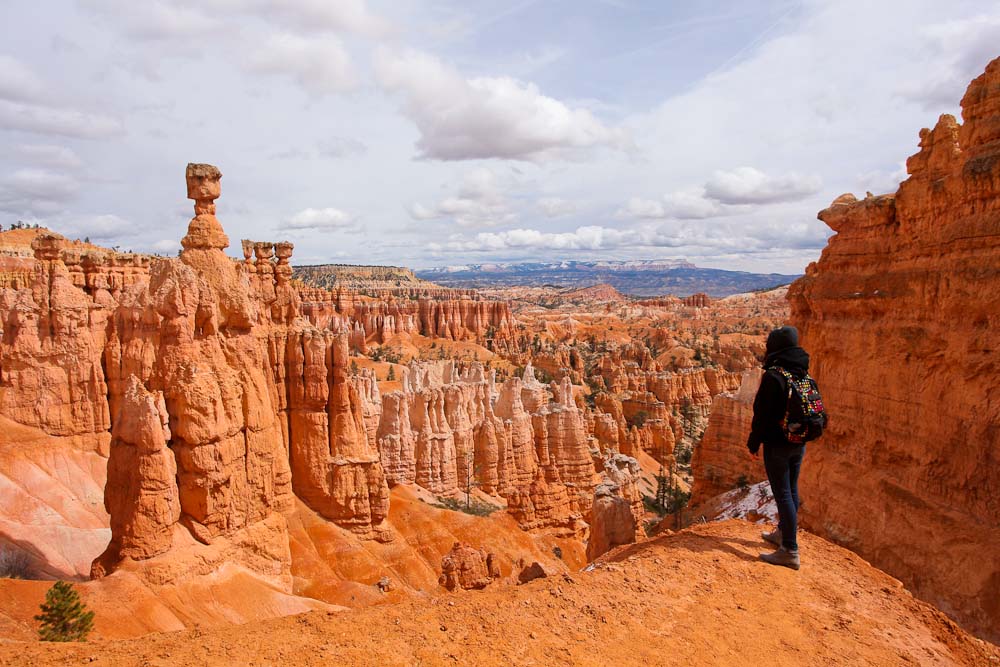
(699, 597)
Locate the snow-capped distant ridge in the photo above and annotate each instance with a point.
(566, 265)
(636, 277)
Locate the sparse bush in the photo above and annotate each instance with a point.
(14, 563)
(638, 419)
(64, 617)
(650, 505)
(473, 507)
(742, 482)
(392, 374)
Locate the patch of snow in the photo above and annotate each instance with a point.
(754, 503)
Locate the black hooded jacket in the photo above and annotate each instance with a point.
(772, 398)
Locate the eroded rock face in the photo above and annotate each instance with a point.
(617, 509)
(468, 568)
(440, 313)
(145, 502)
(901, 315)
(252, 401)
(449, 430)
(53, 339)
(335, 467)
(720, 461)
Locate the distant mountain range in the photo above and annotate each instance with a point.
(647, 277)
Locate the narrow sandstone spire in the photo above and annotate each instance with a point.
(203, 186)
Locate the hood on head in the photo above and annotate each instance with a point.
(795, 360)
(784, 337)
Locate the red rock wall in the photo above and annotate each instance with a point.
(901, 315)
(720, 459)
(455, 318)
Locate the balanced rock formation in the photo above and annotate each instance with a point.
(901, 315)
(210, 369)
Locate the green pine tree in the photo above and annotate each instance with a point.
(392, 374)
(64, 617)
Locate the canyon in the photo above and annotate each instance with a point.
(207, 440)
(204, 413)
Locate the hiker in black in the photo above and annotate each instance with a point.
(782, 459)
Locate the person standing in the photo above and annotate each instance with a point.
(784, 362)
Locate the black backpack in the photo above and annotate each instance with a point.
(805, 417)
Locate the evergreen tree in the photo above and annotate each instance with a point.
(64, 617)
(392, 374)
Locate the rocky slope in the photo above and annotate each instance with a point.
(901, 315)
(225, 409)
(698, 597)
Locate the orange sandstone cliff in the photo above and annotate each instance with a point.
(901, 314)
(720, 461)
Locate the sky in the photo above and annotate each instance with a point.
(438, 132)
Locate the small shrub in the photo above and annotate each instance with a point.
(392, 374)
(557, 551)
(742, 482)
(64, 617)
(650, 505)
(473, 507)
(638, 419)
(14, 564)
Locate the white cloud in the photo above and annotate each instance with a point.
(17, 81)
(320, 219)
(689, 204)
(556, 207)
(959, 50)
(62, 122)
(41, 183)
(882, 181)
(332, 148)
(336, 15)
(479, 202)
(746, 185)
(165, 246)
(688, 239)
(487, 117)
(643, 208)
(319, 65)
(725, 193)
(105, 228)
(59, 157)
(583, 238)
(35, 192)
(155, 20)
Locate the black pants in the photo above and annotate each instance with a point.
(782, 464)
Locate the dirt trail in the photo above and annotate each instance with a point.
(699, 597)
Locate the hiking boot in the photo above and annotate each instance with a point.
(782, 557)
(774, 537)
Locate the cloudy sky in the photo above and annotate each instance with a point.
(441, 132)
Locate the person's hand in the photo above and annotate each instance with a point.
(754, 456)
